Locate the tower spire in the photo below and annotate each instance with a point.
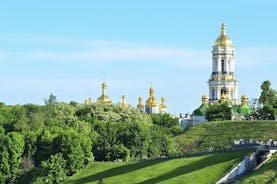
(123, 102)
(223, 29)
(104, 88)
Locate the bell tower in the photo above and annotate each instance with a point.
(223, 81)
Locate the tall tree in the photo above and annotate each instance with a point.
(51, 100)
(268, 95)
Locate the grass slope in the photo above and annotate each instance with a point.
(267, 173)
(222, 134)
(202, 169)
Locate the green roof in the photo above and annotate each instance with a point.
(242, 109)
(201, 111)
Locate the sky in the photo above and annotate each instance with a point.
(69, 48)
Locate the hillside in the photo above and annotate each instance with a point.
(222, 134)
(202, 169)
(265, 174)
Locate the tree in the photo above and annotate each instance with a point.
(218, 112)
(11, 149)
(76, 150)
(51, 100)
(53, 170)
(268, 95)
(265, 113)
(164, 120)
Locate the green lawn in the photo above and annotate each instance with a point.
(222, 134)
(202, 169)
(267, 173)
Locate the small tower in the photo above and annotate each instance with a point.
(140, 105)
(151, 106)
(244, 109)
(162, 106)
(223, 79)
(244, 100)
(201, 111)
(204, 100)
(88, 101)
(104, 98)
(123, 102)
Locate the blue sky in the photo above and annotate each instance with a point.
(69, 47)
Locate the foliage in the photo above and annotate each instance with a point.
(75, 148)
(51, 100)
(268, 95)
(218, 112)
(11, 149)
(169, 124)
(77, 132)
(52, 170)
(265, 113)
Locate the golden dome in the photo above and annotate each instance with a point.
(162, 106)
(151, 101)
(223, 39)
(244, 100)
(88, 101)
(204, 99)
(104, 98)
(123, 102)
(140, 104)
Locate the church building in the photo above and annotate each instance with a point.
(223, 84)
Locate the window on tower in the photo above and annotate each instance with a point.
(222, 66)
(213, 94)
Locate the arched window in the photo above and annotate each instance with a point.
(222, 66)
(213, 94)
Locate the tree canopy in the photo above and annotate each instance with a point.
(49, 142)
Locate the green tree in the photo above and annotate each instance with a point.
(268, 95)
(218, 112)
(265, 113)
(165, 120)
(51, 100)
(52, 170)
(11, 149)
(75, 148)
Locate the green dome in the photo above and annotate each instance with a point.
(245, 110)
(201, 111)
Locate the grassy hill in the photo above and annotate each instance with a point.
(222, 134)
(267, 173)
(202, 169)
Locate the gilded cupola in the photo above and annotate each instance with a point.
(163, 105)
(223, 39)
(104, 98)
(123, 102)
(140, 104)
(204, 100)
(88, 101)
(244, 100)
(151, 101)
